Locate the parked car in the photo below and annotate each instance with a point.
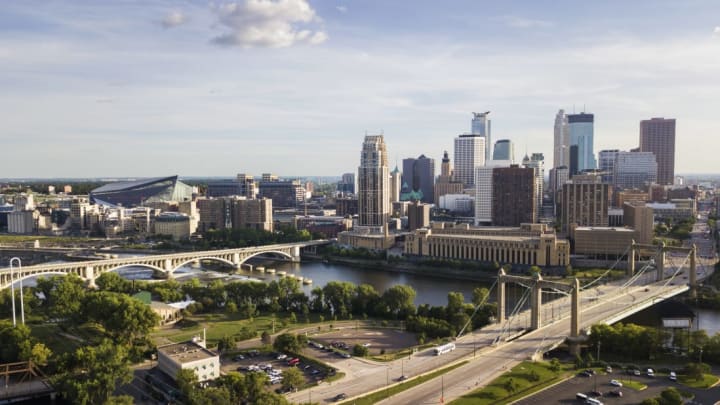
(608, 369)
(239, 357)
(650, 372)
(281, 356)
(616, 383)
(615, 393)
(339, 397)
(672, 376)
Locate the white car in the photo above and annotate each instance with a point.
(616, 383)
(282, 356)
(673, 376)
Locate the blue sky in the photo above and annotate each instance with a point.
(151, 88)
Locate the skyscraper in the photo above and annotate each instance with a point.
(446, 183)
(584, 202)
(419, 175)
(514, 198)
(606, 162)
(537, 163)
(469, 154)
(634, 170)
(481, 126)
(504, 150)
(580, 127)
(395, 185)
(484, 191)
(373, 183)
(657, 135)
(561, 150)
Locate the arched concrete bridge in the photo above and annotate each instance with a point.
(166, 264)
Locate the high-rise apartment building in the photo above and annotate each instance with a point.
(253, 214)
(634, 170)
(481, 126)
(446, 183)
(419, 175)
(657, 135)
(504, 150)
(561, 149)
(373, 183)
(514, 198)
(346, 185)
(581, 133)
(484, 191)
(469, 154)
(418, 215)
(395, 185)
(584, 202)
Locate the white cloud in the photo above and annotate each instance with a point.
(342, 9)
(268, 23)
(174, 19)
(716, 31)
(521, 22)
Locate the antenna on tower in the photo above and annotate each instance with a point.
(584, 108)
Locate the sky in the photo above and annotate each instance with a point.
(195, 88)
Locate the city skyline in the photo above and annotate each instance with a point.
(143, 89)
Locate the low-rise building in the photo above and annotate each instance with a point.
(174, 224)
(602, 242)
(529, 244)
(189, 355)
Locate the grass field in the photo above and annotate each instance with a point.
(395, 389)
(217, 326)
(524, 379)
(636, 385)
(708, 381)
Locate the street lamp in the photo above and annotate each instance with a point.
(598, 353)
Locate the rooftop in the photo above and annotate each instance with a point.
(185, 352)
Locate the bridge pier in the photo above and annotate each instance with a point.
(236, 260)
(535, 303)
(575, 309)
(693, 273)
(501, 296)
(630, 271)
(660, 262)
(90, 276)
(295, 254)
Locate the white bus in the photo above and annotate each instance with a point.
(446, 348)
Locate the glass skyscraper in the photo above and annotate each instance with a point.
(580, 127)
(504, 150)
(481, 126)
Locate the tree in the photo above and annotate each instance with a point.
(119, 399)
(265, 338)
(510, 385)
(91, 373)
(671, 396)
(650, 401)
(226, 343)
(696, 370)
(111, 281)
(287, 342)
(399, 301)
(124, 318)
(360, 350)
(554, 365)
(292, 378)
(187, 381)
(40, 354)
(479, 295)
(16, 342)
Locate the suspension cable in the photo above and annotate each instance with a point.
(477, 307)
(608, 270)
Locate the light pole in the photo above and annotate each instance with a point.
(701, 355)
(598, 354)
(12, 292)
(387, 382)
(22, 306)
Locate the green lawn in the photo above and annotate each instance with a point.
(527, 377)
(49, 335)
(636, 385)
(708, 381)
(395, 389)
(217, 326)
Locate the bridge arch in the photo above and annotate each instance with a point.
(277, 252)
(43, 274)
(149, 266)
(217, 259)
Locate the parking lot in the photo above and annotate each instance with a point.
(272, 364)
(376, 340)
(565, 392)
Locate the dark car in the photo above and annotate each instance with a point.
(615, 393)
(339, 397)
(596, 393)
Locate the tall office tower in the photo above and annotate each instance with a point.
(573, 167)
(346, 185)
(634, 170)
(580, 128)
(395, 185)
(481, 126)
(558, 177)
(606, 162)
(561, 150)
(419, 175)
(657, 135)
(504, 150)
(514, 198)
(373, 183)
(584, 202)
(484, 191)
(469, 154)
(445, 183)
(418, 215)
(537, 163)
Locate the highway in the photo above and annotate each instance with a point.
(598, 304)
